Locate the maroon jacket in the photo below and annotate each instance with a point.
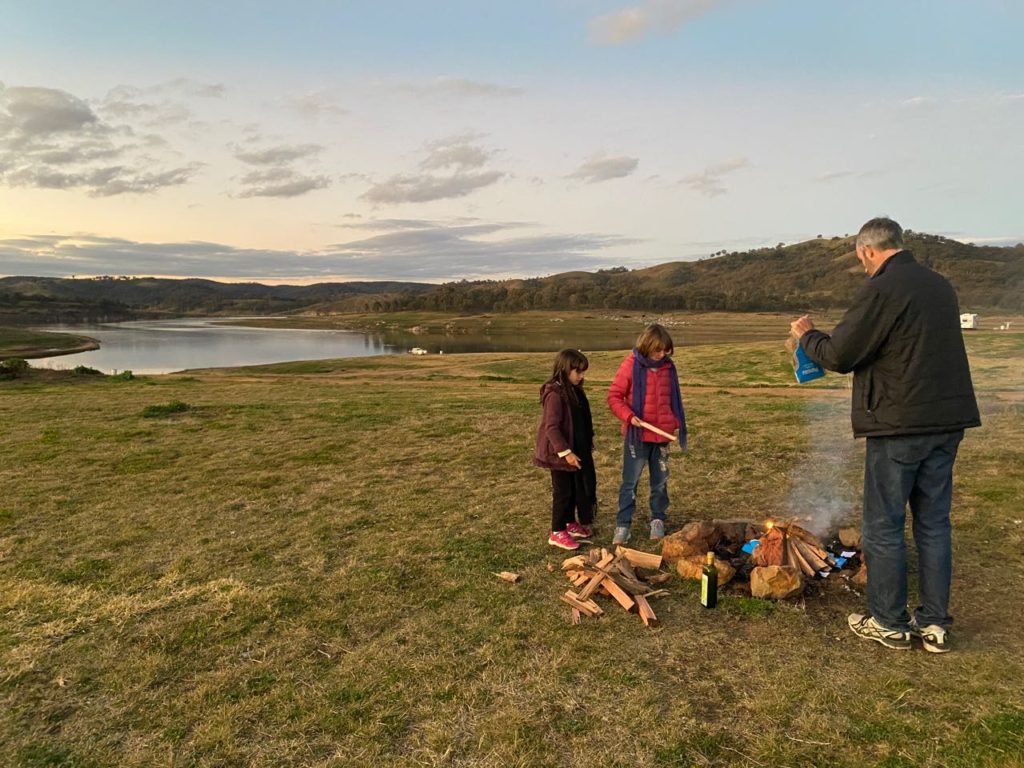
(657, 399)
(555, 432)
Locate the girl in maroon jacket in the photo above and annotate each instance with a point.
(646, 387)
(565, 444)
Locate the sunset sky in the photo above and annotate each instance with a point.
(308, 141)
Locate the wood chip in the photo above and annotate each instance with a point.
(509, 576)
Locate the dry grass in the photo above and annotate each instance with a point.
(296, 571)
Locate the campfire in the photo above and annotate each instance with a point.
(775, 555)
(786, 543)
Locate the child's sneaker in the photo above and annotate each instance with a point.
(562, 539)
(621, 535)
(934, 638)
(578, 531)
(657, 530)
(867, 628)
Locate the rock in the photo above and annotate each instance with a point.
(701, 533)
(776, 582)
(860, 578)
(692, 566)
(850, 537)
(734, 531)
(675, 547)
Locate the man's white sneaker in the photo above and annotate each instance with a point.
(867, 628)
(934, 638)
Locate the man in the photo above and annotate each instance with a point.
(912, 400)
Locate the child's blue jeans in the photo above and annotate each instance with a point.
(634, 459)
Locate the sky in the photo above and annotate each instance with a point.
(311, 141)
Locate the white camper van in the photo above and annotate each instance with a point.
(969, 321)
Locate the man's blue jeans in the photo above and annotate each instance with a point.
(914, 469)
(634, 459)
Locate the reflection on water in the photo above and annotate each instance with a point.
(163, 346)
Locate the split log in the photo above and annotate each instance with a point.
(811, 554)
(574, 562)
(619, 594)
(576, 614)
(655, 593)
(597, 578)
(640, 559)
(658, 578)
(795, 559)
(589, 607)
(647, 615)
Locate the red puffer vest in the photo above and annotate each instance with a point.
(657, 399)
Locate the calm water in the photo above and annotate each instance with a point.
(163, 346)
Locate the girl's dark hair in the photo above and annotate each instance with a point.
(565, 361)
(653, 339)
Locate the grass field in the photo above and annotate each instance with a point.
(291, 566)
(23, 342)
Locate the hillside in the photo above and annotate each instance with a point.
(26, 300)
(819, 274)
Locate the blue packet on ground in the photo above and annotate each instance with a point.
(751, 545)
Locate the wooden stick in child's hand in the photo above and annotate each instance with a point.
(656, 431)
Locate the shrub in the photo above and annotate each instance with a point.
(159, 411)
(84, 370)
(12, 367)
(125, 375)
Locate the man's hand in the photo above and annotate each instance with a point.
(573, 460)
(634, 421)
(801, 325)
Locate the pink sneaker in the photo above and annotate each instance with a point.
(578, 531)
(562, 539)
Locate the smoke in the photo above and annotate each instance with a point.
(822, 495)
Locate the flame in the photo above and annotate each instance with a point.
(769, 524)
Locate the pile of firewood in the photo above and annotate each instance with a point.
(786, 543)
(628, 576)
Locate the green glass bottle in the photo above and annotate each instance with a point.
(709, 583)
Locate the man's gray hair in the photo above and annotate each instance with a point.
(882, 234)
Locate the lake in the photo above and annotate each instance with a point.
(165, 346)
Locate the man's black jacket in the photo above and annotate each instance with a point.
(902, 340)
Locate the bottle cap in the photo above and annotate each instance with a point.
(711, 558)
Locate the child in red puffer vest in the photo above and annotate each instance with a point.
(646, 388)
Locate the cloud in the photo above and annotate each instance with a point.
(426, 187)
(458, 155)
(284, 153)
(280, 182)
(632, 23)
(276, 175)
(604, 168)
(824, 178)
(435, 251)
(33, 112)
(460, 87)
(455, 152)
(709, 181)
(52, 139)
(315, 104)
